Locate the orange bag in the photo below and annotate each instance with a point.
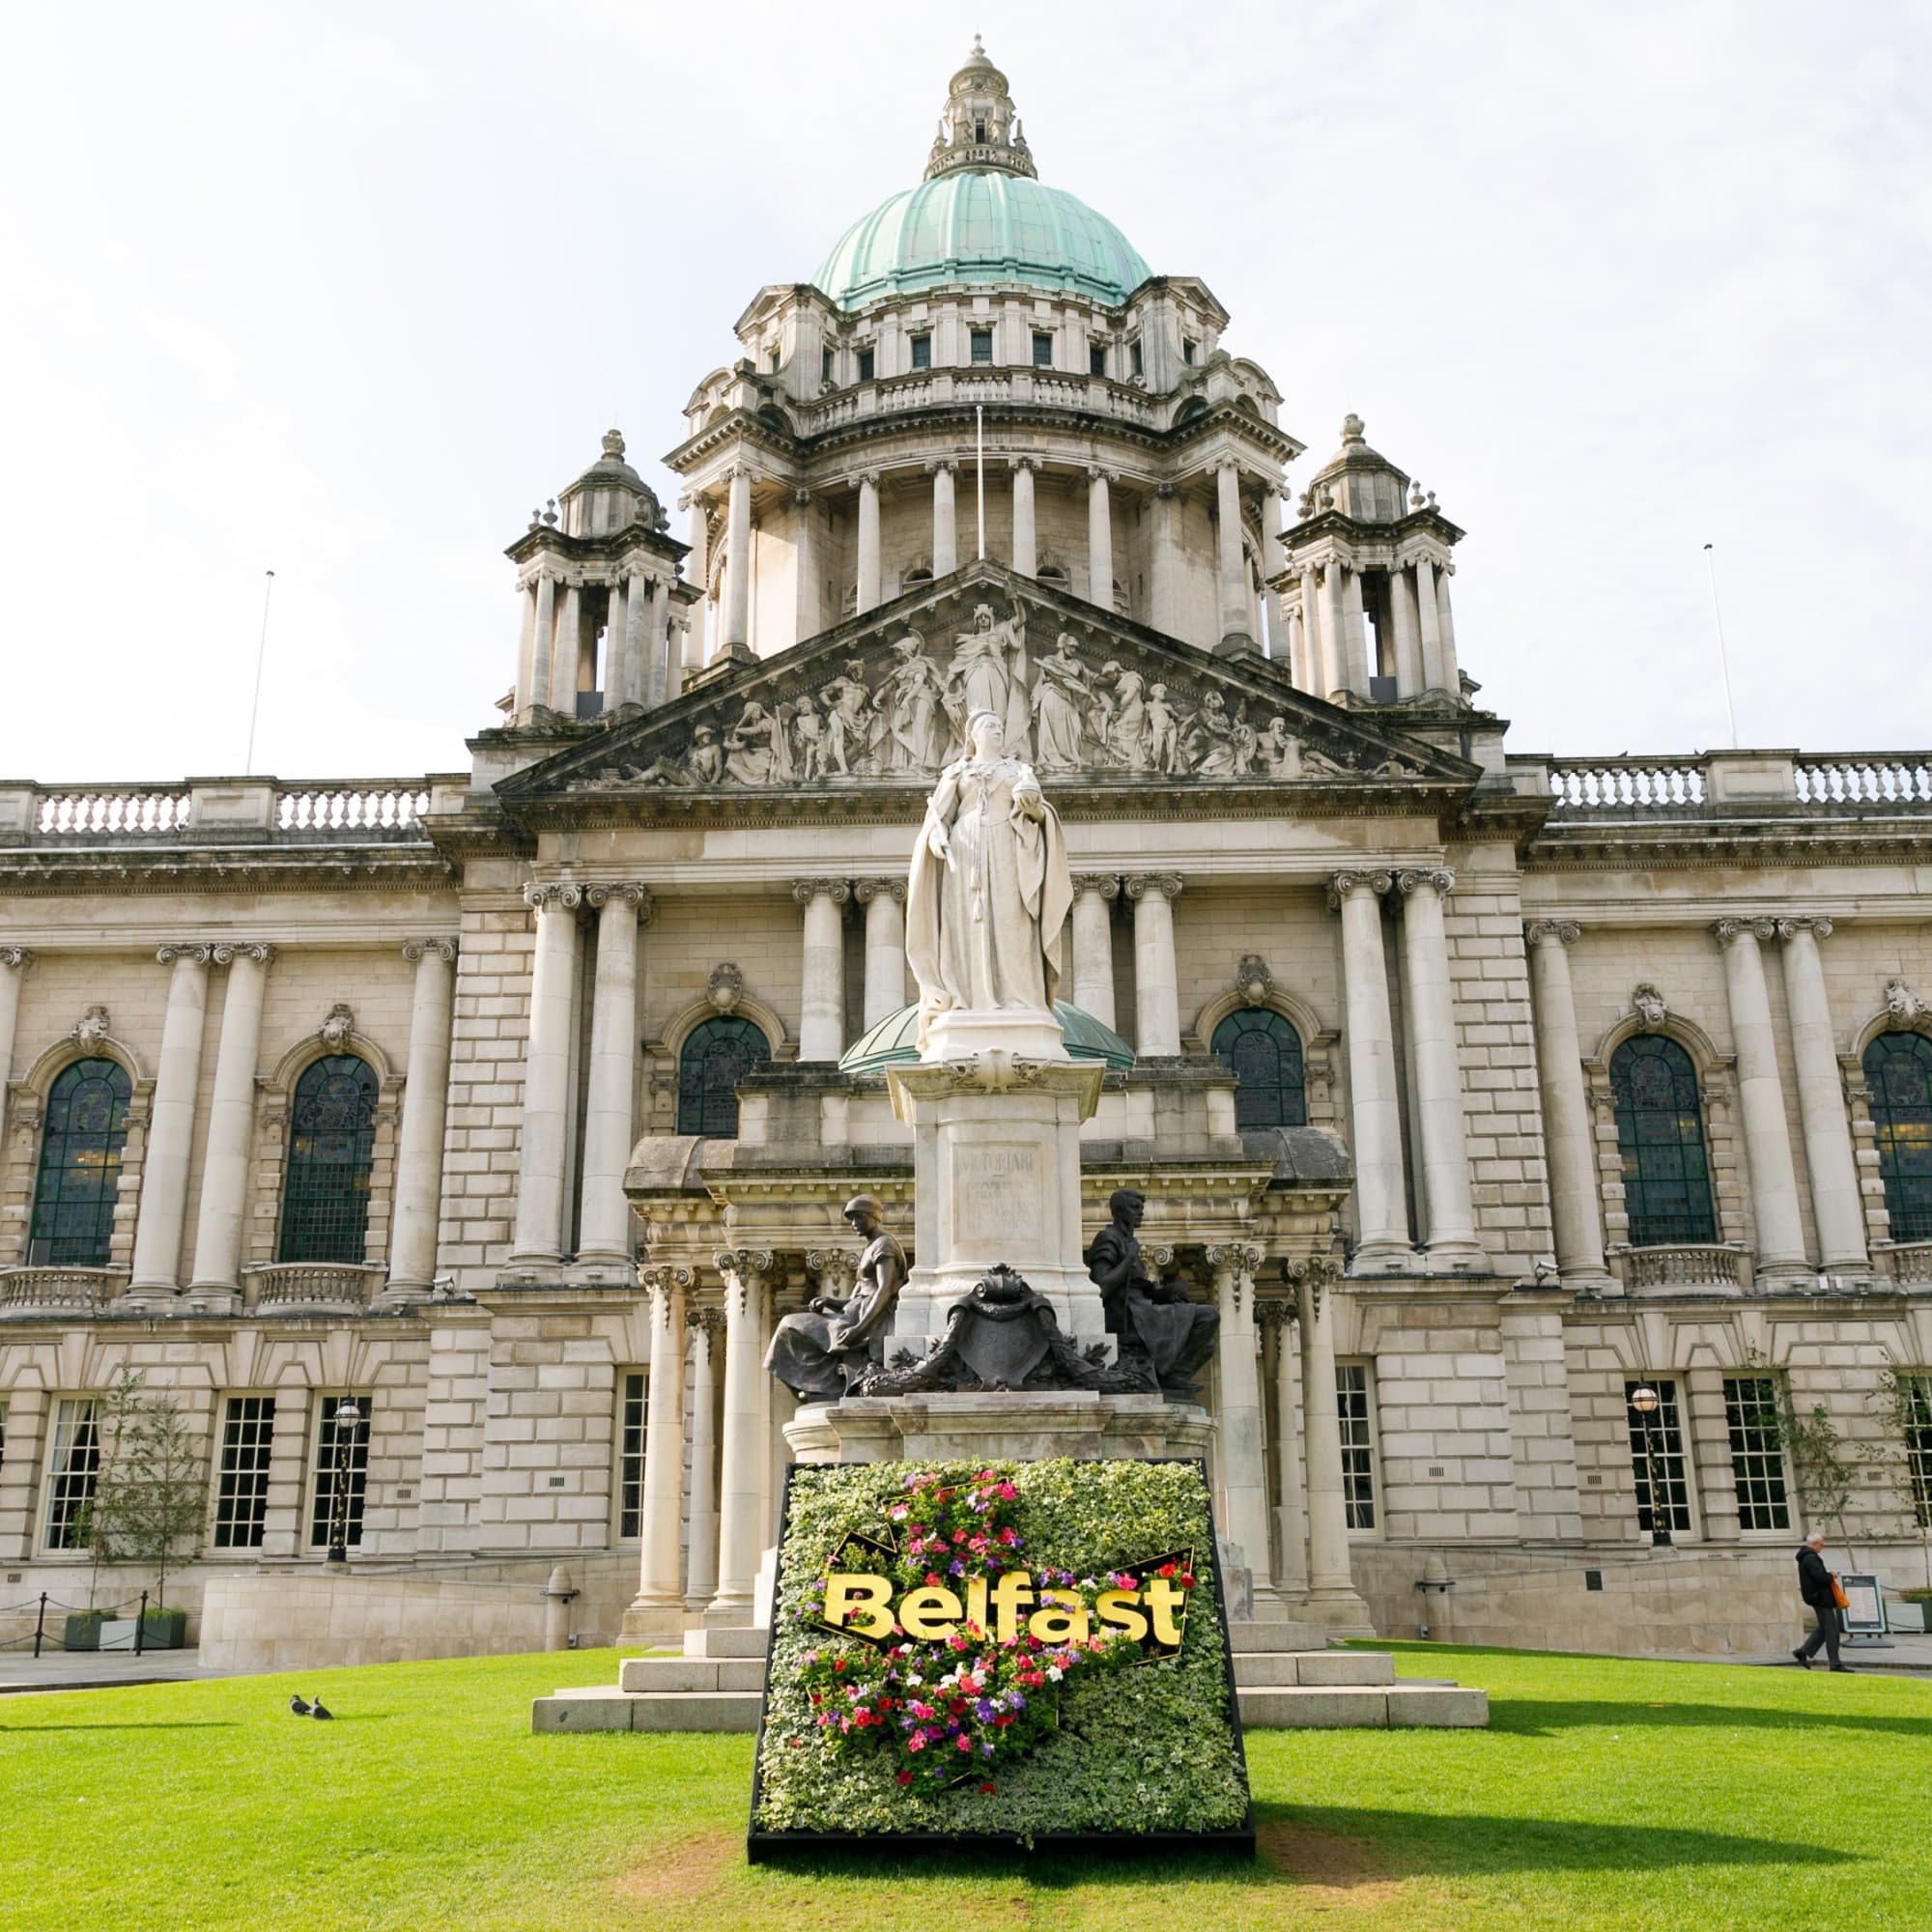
(1838, 1597)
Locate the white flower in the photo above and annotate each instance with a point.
(1054, 1671)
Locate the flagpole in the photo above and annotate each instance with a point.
(261, 653)
(980, 464)
(1723, 661)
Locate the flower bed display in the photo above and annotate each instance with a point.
(1020, 1651)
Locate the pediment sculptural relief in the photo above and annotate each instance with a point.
(1075, 698)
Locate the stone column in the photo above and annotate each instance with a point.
(1093, 944)
(1429, 615)
(412, 1240)
(1314, 642)
(1380, 1209)
(1410, 681)
(231, 1121)
(1355, 666)
(1156, 995)
(1274, 559)
(1163, 564)
(821, 1020)
(538, 1238)
(543, 636)
(735, 620)
(1450, 1216)
(655, 649)
(683, 647)
(158, 1232)
(566, 651)
(884, 900)
(1568, 1133)
(945, 518)
(698, 568)
(868, 540)
(1445, 626)
(1233, 568)
(658, 1608)
(1243, 1470)
(807, 592)
(1100, 541)
(1292, 1525)
(1026, 544)
(1836, 1207)
(1774, 1179)
(701, 1515)
(617, 659)
(13, 963)
(604, 1222)
(741, 1523)
(1331, 1583)
(1339, 650)
(527, 647)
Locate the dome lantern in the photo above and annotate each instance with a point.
(979, 127)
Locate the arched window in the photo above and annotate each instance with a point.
(1661, 1135)
(1264, 1053)
(332, 1148)
(80, 1166)
(1898, 1077)
(718, 1053)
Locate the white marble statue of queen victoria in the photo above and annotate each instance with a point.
(990, 892)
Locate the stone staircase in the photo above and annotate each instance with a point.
(1285, 1675)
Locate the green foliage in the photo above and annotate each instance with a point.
(1147, 1747)
(149, 1492)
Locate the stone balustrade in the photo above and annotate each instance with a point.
(1719, 780)
(1907, 1262)
(1725, 1267)
(58, 1290)
(109, 810)
(385, 804)
(292, 1285)
(1865, 777)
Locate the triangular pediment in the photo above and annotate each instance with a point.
(1091, 699)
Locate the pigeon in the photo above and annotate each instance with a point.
(319, 1710)
(296, 1704)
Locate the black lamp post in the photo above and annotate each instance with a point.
(348, 1420)
(1646, 1401)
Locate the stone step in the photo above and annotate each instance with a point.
(1278, 1634)
(1363, 1707)
(1261, 1669)
(609, 1709)
(691, 1673)
(716, 1643)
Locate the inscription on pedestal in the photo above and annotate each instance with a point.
(995, 1197)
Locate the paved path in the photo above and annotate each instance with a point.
(94, 1670)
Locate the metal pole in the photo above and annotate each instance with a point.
(41, 1623)
(141, 1624)
(261, 653)
(979, 465)
(1723, 661)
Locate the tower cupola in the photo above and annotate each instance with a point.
(979, 127)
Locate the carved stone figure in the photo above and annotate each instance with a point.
(91, 1027)
(705, 762)
(1063, 710)
(850, 722)
(1901, 1002)
(1127, 732)
(1279, 754)
(1647, 1003)
(821, 1351)
(1163, 730)
(916, 717)
(990, 891)
(1155, 1320)
(988, 672)
(757, 749)
(335, 1031)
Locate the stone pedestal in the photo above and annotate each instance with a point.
(986, 1426)
(995, 1107)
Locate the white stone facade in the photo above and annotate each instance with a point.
(1280, 798)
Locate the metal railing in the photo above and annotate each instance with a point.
(93, 1617)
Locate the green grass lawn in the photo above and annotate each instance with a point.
(1605, 1793)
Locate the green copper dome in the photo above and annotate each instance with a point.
(991, 227)
(895, 1042)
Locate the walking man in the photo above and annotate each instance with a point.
(1814, 1585)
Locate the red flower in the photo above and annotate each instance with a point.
(906, 1777)
(1187, 1579)
(933, 1580)
(986, 1790)
(1165, 1569)
(838, 1663)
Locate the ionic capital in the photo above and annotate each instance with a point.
(623, 892)
(744, 1266)
(1817, 927)
(662, 1279)
(229, 950)
(1106, 884)
(418, 949)
(1022, 463)
(194, 954)
(1728, 931)
(1167, 884)
(949, 463)
(837, 891)
(1437, 879)
(1343, 884)
(18, 957)
(865, 891)
(556, 895)
(704, 1321)
(1563, 931)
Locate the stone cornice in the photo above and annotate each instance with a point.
(154, 867)
(1693, 844)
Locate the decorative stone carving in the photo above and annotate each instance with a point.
(865, 891)
(1155, 1322)
(229, 950)
(837, 1341)
(17, 957)
(1253, 981)
(837, 891)
(1565, 931)
(1902, 1004)
(166, 956)
(1440, 877)
(415, 949)
(1241, 1259)
(564, 893)
(338, 1029)
(1647, 1003)
(1106, 884)
(662, 1277)
(91, 1027)
(1168, 884)
(1818, 926)
(1344, 883)
(725, 987)
(626, 892)
(1727, 930)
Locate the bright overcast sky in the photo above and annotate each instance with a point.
(344, 291)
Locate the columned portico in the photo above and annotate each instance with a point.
(1382, 1244)
(231, 1121)
(658, 1608)
(158, 1234)
(425, 1110)
(821, 1020)
(1569, 1141)
(700, 1580)
(538, 1240)
(1836, 1209)
(604, 1239)
(1093, 895)
(1278, 1320)
(1156, 993)
(1772, 1175)
(741, 1524)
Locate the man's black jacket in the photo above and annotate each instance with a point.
(1814, 1580)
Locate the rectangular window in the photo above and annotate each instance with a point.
(1757, 1452)
(1097, 358)
(1187, 348)
(631, 1457)
(1134, 356)
(1042, 350)
(982, 345)
(775, 362)
(1358, 1444)
(71, 1470)
(1656, 1459)
(241, 1487)
(867, 361)
(922, 351)
(3, 1434)
(1916, 1403)
(356, 1470)
(825, 365)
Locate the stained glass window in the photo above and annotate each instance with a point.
(718, 1053)
(1656, 1459)
(1263, 1051)
(1898, 1077)
(1758, 1454)
(80, 1166)
(331, 1150)
(1661, 1135)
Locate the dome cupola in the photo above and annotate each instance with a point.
(979, 127)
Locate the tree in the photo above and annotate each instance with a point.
(1905, 1400)
(150, 1493)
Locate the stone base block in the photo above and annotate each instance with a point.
(636, 1675)
(1313, 1669)
(1439, 1707)
(988, 1427)
(738, 1642)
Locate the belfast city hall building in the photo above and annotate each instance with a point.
(1479, 1090)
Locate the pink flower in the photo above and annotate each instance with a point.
(964, 1742)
